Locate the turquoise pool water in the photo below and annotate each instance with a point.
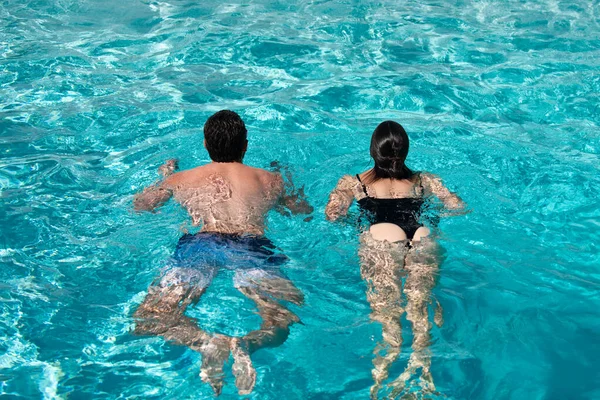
(499, 98)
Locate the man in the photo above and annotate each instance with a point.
(229, 200)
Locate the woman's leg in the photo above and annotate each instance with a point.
(381, 266)
(421, 265)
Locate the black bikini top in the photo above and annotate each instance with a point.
(403, 212)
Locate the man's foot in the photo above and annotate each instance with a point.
(214, 355)
(374, 391)
(438, 315)
(243, 370)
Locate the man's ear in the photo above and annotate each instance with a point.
(204, 143)
(246, 146)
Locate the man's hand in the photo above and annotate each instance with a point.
(292, 200)
(296, 202)
(169, 167)
(275, 165)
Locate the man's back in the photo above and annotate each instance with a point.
(226, 197)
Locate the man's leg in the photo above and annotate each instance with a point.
(162, 313)
(264, 288)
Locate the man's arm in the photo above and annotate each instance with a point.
(158, 194)
(290, 199)
(151, 198)
(295, 201)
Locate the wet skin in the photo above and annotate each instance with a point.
(229, 198)
(386, 258)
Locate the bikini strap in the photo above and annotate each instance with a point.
(363, 185)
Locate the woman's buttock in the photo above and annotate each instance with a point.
(393, 233)
(386, 231)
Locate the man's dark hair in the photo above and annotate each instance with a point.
(225, 135)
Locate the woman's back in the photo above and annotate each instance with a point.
(391, 188)
(392, 206)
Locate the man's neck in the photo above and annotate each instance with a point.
(227, 162)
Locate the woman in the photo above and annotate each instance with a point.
(391, 199)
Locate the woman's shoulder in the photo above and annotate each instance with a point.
(359, 179)
(352, 184)
(347, 181)
(362, 175)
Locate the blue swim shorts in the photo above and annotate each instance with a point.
(200, 256)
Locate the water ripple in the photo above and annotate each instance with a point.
(499, 98)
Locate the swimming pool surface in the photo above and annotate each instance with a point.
(499, 98)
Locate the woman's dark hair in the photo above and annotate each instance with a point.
(389, 148)
(225, 136)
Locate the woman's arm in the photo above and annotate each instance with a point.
(433, 185)
(340, 199)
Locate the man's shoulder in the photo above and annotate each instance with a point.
(182, 177)
(271, 182)
(263, 174)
